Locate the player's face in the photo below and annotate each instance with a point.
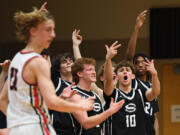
(125, 75)
(44, 33)
(88, 73)
(65, 65)
(140, 67)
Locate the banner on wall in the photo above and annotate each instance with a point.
(175, 113)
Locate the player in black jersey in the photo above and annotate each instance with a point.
(151, 108)
(91, 122)
(62, 78)
(130, 119)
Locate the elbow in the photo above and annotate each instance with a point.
(87, 126)
(157, 92)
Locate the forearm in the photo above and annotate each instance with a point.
(155, 85)
(151, 94)
(132, 45)
(76, 51)
(95, 120)
(2, 79)
(108, 75)
(4, 105)
(156, 125)
(62, 105)
(4, 98)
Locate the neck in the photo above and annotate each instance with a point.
(84, 85)
(67, 77)
(142, 78)
(125, 88)
(33, 47)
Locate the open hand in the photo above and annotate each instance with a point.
(112, 50)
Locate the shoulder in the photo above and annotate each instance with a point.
(38, 63)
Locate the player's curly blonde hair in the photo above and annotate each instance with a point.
(25, 21)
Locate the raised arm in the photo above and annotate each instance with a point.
(77, 40)
(152, 93)
(92, 121)
(108, 72)
(4, 72)
(132, 42)
(42, 75)
(43, 7)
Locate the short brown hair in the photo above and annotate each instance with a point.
(101, 70)
(78, 66)
(25, 21)
(125, 63)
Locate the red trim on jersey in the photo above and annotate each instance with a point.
(36, 96)
(23, 70)
(23, 52)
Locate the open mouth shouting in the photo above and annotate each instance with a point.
(125, 78)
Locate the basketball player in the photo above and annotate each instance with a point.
(90, 122)
(143, 77)
(130, 119)
(30, 89)
(62, 77)
(77, 40)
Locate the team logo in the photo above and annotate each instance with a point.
(131, 107)
(97, 107)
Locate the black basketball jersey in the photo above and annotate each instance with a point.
(130, 119)
(97, 110)
(62, 122)
(150, 108)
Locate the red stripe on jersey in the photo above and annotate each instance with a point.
(36, 96)
(25, 52)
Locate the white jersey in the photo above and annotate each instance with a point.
(26, 104)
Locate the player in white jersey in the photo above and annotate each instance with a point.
(29, 87)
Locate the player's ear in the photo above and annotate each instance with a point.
(79, 74)
(133, 76)
(101, 78)
(32, 31)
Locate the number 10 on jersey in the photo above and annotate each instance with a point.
(131, 120)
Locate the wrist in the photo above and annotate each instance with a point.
(109, 113)
(154, 73)
(108, 60)
(75, 45)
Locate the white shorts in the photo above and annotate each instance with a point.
(32, 129)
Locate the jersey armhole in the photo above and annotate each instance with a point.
(26, 81)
